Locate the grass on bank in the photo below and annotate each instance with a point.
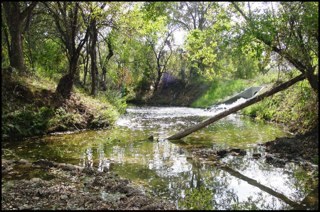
(27, 110)
(296, 107)
(218, 91)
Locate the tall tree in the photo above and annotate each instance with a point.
(93, 55)
(159, 35)
(97, 10)
(16, 15)
(193, 16)
(161, 53)
(69, 18)
(104, 63)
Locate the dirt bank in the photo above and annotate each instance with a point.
(172, 93)
(69, 187)
(300, 147)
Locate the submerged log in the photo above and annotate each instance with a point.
(231, 110)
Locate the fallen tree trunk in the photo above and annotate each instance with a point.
(247, 103)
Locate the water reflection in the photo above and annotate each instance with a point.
(166, 169)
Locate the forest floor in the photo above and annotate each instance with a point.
(300, 147)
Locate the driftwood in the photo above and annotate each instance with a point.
(247, 103)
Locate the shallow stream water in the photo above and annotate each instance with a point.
(168, 170)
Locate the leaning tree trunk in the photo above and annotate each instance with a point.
(262, 187)
(223, 114)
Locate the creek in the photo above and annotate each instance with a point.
(168, 169)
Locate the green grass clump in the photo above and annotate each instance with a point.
(218, 91)
(27, 121)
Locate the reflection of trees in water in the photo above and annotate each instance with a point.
(104, 163)
(87, 158)
(172, 175)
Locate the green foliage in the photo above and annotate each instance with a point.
(116, 98)
(219, 90)
(197, 199)
(49, 59)
(217, 47)
(64, 120)
(202, 51)
(297, 107)
(26, 122)
(153, 10)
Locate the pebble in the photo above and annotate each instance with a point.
(64, 197)
(35, 179)
(23, 161)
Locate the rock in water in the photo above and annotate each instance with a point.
(150, 138)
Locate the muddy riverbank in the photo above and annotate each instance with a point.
(67, 187)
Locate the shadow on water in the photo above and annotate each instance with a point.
(169, 170)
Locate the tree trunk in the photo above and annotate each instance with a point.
(183, 68)
(104, 79)
(65, 84)
(64, 87)
(15, 17)
(156, 86)
(6, 36)
(93, 55)
(159, 74)
(249, 102)
(104, 64)
(313, 80)
(86, 65)
(16, 56)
